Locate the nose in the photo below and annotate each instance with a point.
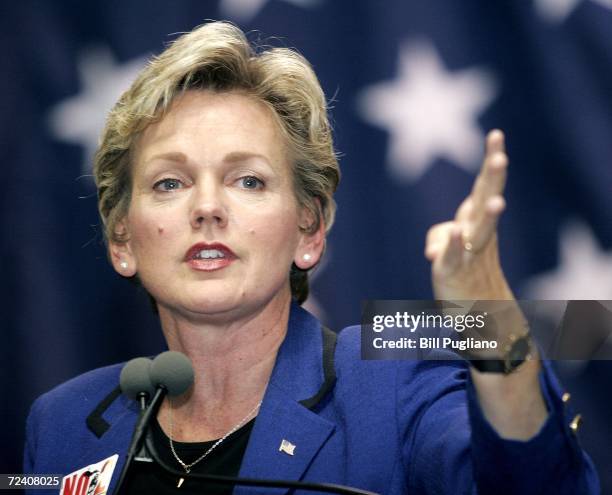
(208, 207)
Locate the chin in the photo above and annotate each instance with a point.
(236, 303)
(213, 304)
(222, 299)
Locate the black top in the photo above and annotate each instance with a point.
(224, 460)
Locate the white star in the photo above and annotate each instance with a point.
(558, 10)
(246, 10)
(429, 112)
(80, 119)
(584, 271)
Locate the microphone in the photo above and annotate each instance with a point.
(135, 381)
(169, 373)
(172, 371)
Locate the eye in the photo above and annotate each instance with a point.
(250, 182)
(167, 185)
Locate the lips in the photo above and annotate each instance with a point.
(209, 257)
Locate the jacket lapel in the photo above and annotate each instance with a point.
(287, 435)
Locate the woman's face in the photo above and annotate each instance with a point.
(213, 222)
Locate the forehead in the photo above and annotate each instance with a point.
(205, 125)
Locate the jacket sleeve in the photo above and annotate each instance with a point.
(550, 462)
(450, 448)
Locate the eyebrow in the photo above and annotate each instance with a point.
(239, 156)
(233, 157)
(173, 156)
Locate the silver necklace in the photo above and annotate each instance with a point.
(188, 467)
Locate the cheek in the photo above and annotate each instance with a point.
(279, 239)
(146, 230)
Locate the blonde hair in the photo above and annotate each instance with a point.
(217, 56)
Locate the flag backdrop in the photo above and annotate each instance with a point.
(414, 85)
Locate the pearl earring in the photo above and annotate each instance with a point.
(123, 265)
(307, 257)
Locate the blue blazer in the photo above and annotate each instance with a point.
(392, 427)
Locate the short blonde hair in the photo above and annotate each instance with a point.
(217, 56)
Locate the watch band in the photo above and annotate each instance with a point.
(496, 365)
(515, 354)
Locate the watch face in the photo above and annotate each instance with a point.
(519, 350)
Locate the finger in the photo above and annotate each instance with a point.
(491, 179)
(494, 173)
(495, 142)
(438, 232)
(436, 238)
(486, 227)
(432, 250)
(451, 256)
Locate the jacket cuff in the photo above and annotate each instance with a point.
(549, 462)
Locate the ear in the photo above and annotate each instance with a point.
(311, 246)
(122, 258)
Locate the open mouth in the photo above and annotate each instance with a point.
(209, 257)
(209, 254)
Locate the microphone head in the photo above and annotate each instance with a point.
(135, 378)
(172, 370)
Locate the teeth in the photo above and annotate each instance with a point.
(210, 254)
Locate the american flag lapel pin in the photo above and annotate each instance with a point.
(287, 447)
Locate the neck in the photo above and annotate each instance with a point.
(232, 361)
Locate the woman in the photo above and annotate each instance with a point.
(215, 178)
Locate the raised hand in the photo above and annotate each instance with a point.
(463, 251)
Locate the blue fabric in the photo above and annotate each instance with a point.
(393, 427)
